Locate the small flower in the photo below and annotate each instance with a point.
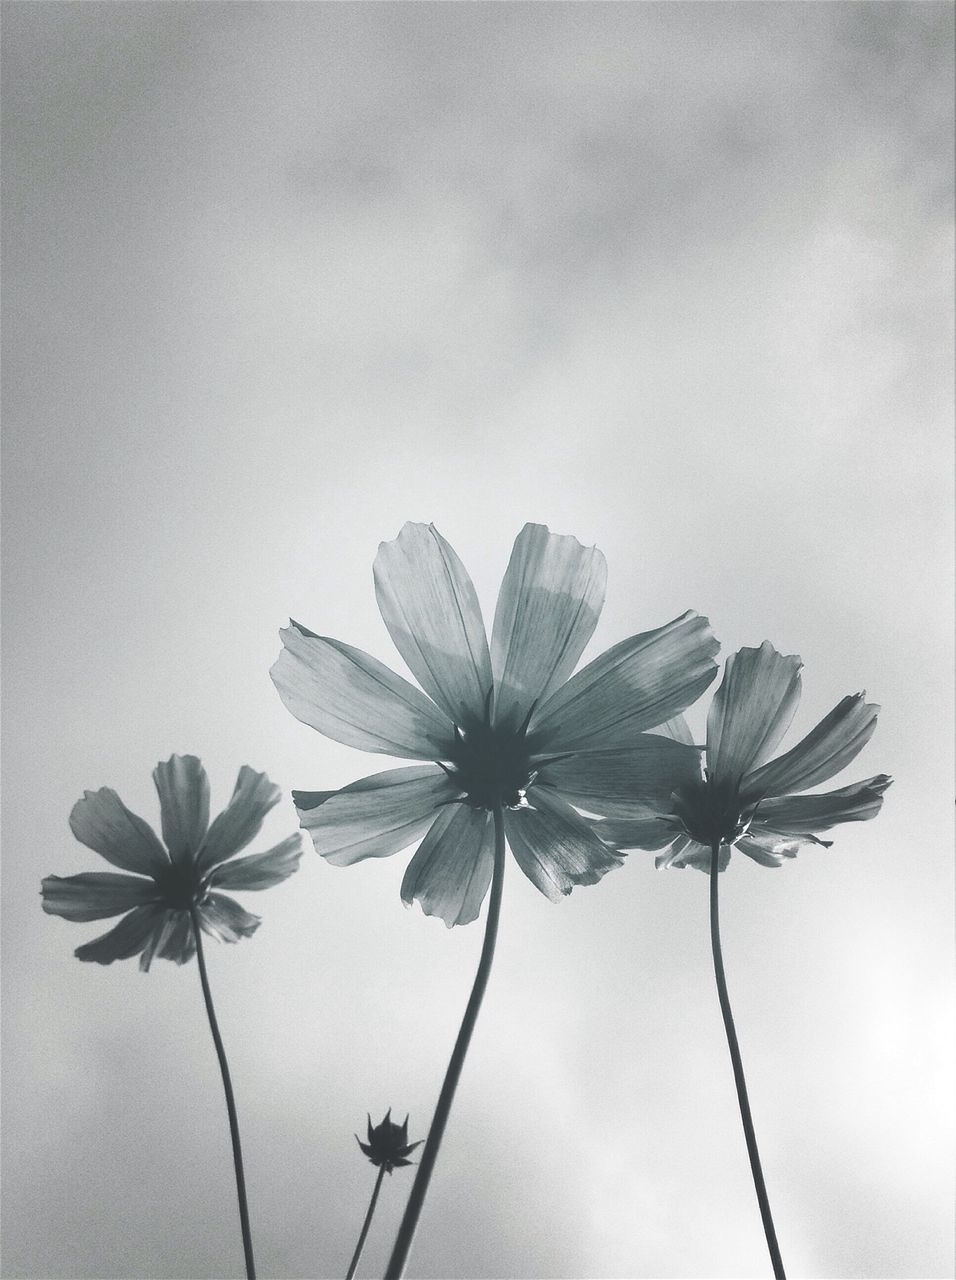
(746, 800)
(502, 725)
(388, 1143)
(170, 882)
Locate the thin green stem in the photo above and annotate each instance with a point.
(738, 1066)
(230, 1101)
(406, 1232)
(366, 1224)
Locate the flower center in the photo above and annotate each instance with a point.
(709, 811)
(179, 886)
(492, 766)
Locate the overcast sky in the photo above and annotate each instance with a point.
(673, 278)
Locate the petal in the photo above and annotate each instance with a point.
(555, 847)
(431, 610)
(799, 814)
(550, 600)
(254, 795)
(94, 895)
(172, 939)
(769, 848)
(451, 870)
(223, 918)
(686, 852)
(125, 939)
(676, 728)
(623, 782)
(836, 740)
(377, 816)
(350, 696)
(633, 686)
(751, 710)
(652, 831)
(261, 870)
(184, 803)
(104, 823)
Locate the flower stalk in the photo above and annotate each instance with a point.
(230, 1100)
(738, 1066)
(366, 1224)
(406, 1232)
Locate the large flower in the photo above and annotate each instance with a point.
(744, 798)
(169, 883)
(502, 726)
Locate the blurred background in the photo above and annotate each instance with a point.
(674, 278)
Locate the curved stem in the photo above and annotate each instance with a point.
(366, 1224)
(738, 1066)
(230, 1101)
(406, 1232)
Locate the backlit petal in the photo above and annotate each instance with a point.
(771, 848)
(94, 895)
(836, 740)
(431, 610)
(548, 606)
(620, 783)
(648, 832)
(352, 697)
(686, 852)
(801, 814)
(555, 847)
(676, 728)
(125, 939)
(184, 804)
(376, 816)
(261, 870)
(104, 823)
(223, 918)
(630, 688)
(751, 711)
(172, 939)
(254, 795)
(451, 870)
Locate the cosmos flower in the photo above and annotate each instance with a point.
(167, 883)
(500, 726)
(747, 800)
(388, 1144)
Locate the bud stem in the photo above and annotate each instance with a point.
(406, 1232)
(738, 1067)
(366, 1224)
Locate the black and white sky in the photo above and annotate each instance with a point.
(672, 277)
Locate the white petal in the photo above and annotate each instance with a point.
(555, 847)
(621, 783)
(350, 696)
(548, 606)
(104, 823)
(376, 816)
(261, 870)
(431, 610)
(630, 688)
(241, 820)
(452, 867)
(184, 804)
(836, 740)
(800, 814)
(751, 711)
(94, 895)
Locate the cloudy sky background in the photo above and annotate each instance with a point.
(673, 278)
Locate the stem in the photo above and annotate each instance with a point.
(230, 1101)
(738, 1066)
(406, 1232)
(366, 1224)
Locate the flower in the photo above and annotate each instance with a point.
(388, 1143)
(503, 725)
(744, 799)
(168, 883)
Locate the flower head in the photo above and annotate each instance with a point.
(744, 798)
(501, 725)
(388, 1143)
(169, 882)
